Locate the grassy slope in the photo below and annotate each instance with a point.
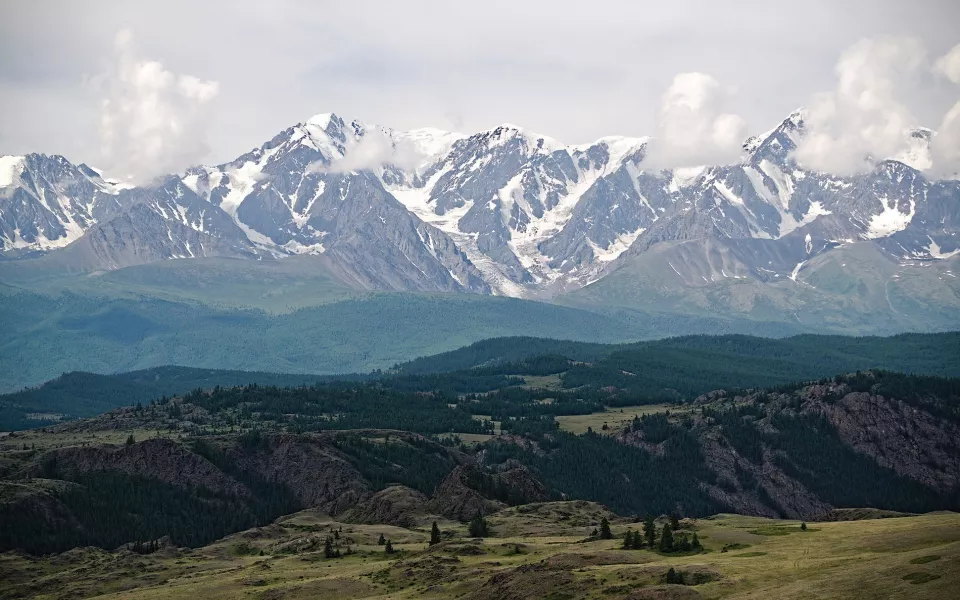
(854, 289)
(860, 559)
(273, 286)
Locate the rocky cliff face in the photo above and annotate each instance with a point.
(903, 437)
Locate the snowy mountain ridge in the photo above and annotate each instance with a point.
(502, 211)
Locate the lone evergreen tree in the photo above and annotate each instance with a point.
(381, 541)
(434, 534)
(674, 577)
(628, 543)
(666, 539)
(803, 526)
(328, 548)
(389, 547)
(605, 533)
(478, 527)
(649, 531)
(130, 440)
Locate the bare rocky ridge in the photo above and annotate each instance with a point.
(395, 505)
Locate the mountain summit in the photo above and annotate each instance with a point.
(503, 211)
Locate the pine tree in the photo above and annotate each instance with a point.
(674, 522)
(434, 534)
(803, 526)
(674, 577)
(130, 440)
(478, 527)
(696, 542)
(605, 533)
(649, 531)
(389, 547)
(666, 539)
(381, 541)
(328, 548)
(628, 543)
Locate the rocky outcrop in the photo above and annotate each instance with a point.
(315, 472)
(897, 435)
(158, 459)
(470, 490)
(394, 505)
(455, 499)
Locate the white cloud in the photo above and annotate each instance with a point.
(692, 129)
(948, 65)
(945, 146)
(863, 117)
(373, 150)
(152, 121)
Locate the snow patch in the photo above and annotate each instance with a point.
(796, 270)
(934, 249)
(890, 220)
(617, 247)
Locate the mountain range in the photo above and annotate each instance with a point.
(509, 212)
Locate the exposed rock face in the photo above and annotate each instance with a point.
(519, 484)
(740, 482)
(909, 438)
(890, 430)
(470, 490)
(395, 505)
(455, 499)
(159, 459)
(316, 474)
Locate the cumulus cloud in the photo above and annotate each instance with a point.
(862, 118)
(692, 129)
(373, 150)
(152, 121)
(948, 65)
(945, 146)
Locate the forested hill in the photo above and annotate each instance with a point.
(929, 353)
(673, 369)
(81, 394)
(208, 463)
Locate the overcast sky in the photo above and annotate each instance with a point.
(234, 73)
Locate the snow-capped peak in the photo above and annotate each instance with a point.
(321, 120)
